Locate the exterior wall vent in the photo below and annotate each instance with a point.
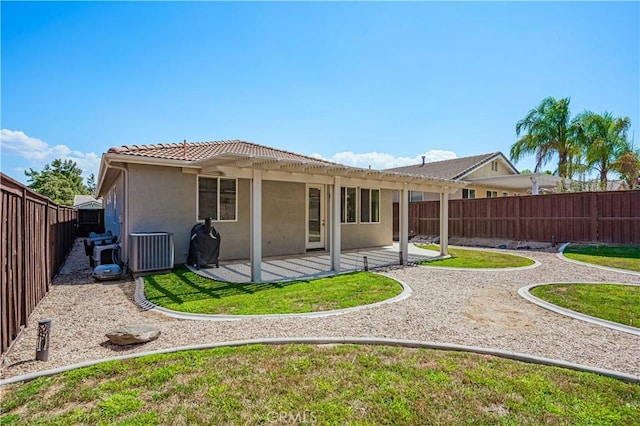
(151, 251)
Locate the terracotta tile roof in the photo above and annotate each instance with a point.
(202, 150)
(447, 169)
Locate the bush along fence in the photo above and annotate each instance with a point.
(604, 217)
(37, 235)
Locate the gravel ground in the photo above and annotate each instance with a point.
(474, 307)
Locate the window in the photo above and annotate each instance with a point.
(492, 194)
(217, 198)
(111, 207)
(369, 205)
(468, 193)
(494, 166)
(415, 196)
(348, 205)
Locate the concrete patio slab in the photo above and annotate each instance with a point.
(314, 264)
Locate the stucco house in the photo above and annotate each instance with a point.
(263, 201)
(486, 175)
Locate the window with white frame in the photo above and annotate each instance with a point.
(348, 204)
(494, 166)
(369, 205)
(416, 196)
(492, 194)
(468, 193)
(217, 198)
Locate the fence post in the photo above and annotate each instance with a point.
(24, 315)
(516, 213)
(593, 214)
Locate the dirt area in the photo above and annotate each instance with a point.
(491, 243)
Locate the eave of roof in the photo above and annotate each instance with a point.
(262, 158)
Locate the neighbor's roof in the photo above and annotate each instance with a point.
(453, 169)
(82, 200)
(195, 151)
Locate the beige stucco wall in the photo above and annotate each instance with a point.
(485, 171)
(283, 218)
(164, 199)
(362, 235)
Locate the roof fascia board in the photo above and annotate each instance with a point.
(150, 161)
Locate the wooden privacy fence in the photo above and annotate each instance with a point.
(605, 217)
(37, 234)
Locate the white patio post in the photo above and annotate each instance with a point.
(535, 188)
(444, 222)
(256, 226)
(335, 245)
(404, 224)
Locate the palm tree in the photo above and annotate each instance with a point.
(549, 132)
(628, 166)
(604, 139)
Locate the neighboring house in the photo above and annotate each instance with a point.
(263, 201)
(486, 175)
(90, 214)
(86, 202)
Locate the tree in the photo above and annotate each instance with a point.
(91, 184)
(547, 132)
(628, 166)
(59, 181)
(603, 138)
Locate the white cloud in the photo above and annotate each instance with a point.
(381, 160)
(37, 153)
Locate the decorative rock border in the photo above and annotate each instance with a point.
(525, 292)
(592, 265)
(348, 340)
(141, 300)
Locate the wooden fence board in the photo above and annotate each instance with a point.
(36, 236)
(607, 217)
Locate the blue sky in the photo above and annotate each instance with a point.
(362, 83)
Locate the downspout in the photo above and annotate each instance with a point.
(124, 238)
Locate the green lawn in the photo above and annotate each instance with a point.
(622, 257)
(612, 302)
(185, 291)
(331, 384)
(465, 258)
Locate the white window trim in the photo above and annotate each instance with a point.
(217, 199)
(475, 193)
(416, 192)
(370, 210)
(343, 209)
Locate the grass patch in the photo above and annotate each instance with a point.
(331, 384)
(465, 258)
(621, 257)
(612, 302)
(185, 291)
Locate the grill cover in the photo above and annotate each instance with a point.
(204, 247)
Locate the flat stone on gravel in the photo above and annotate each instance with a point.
(133, 334)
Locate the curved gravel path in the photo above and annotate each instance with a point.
(473, 307)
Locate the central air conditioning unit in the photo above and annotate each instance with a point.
(151, 251)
